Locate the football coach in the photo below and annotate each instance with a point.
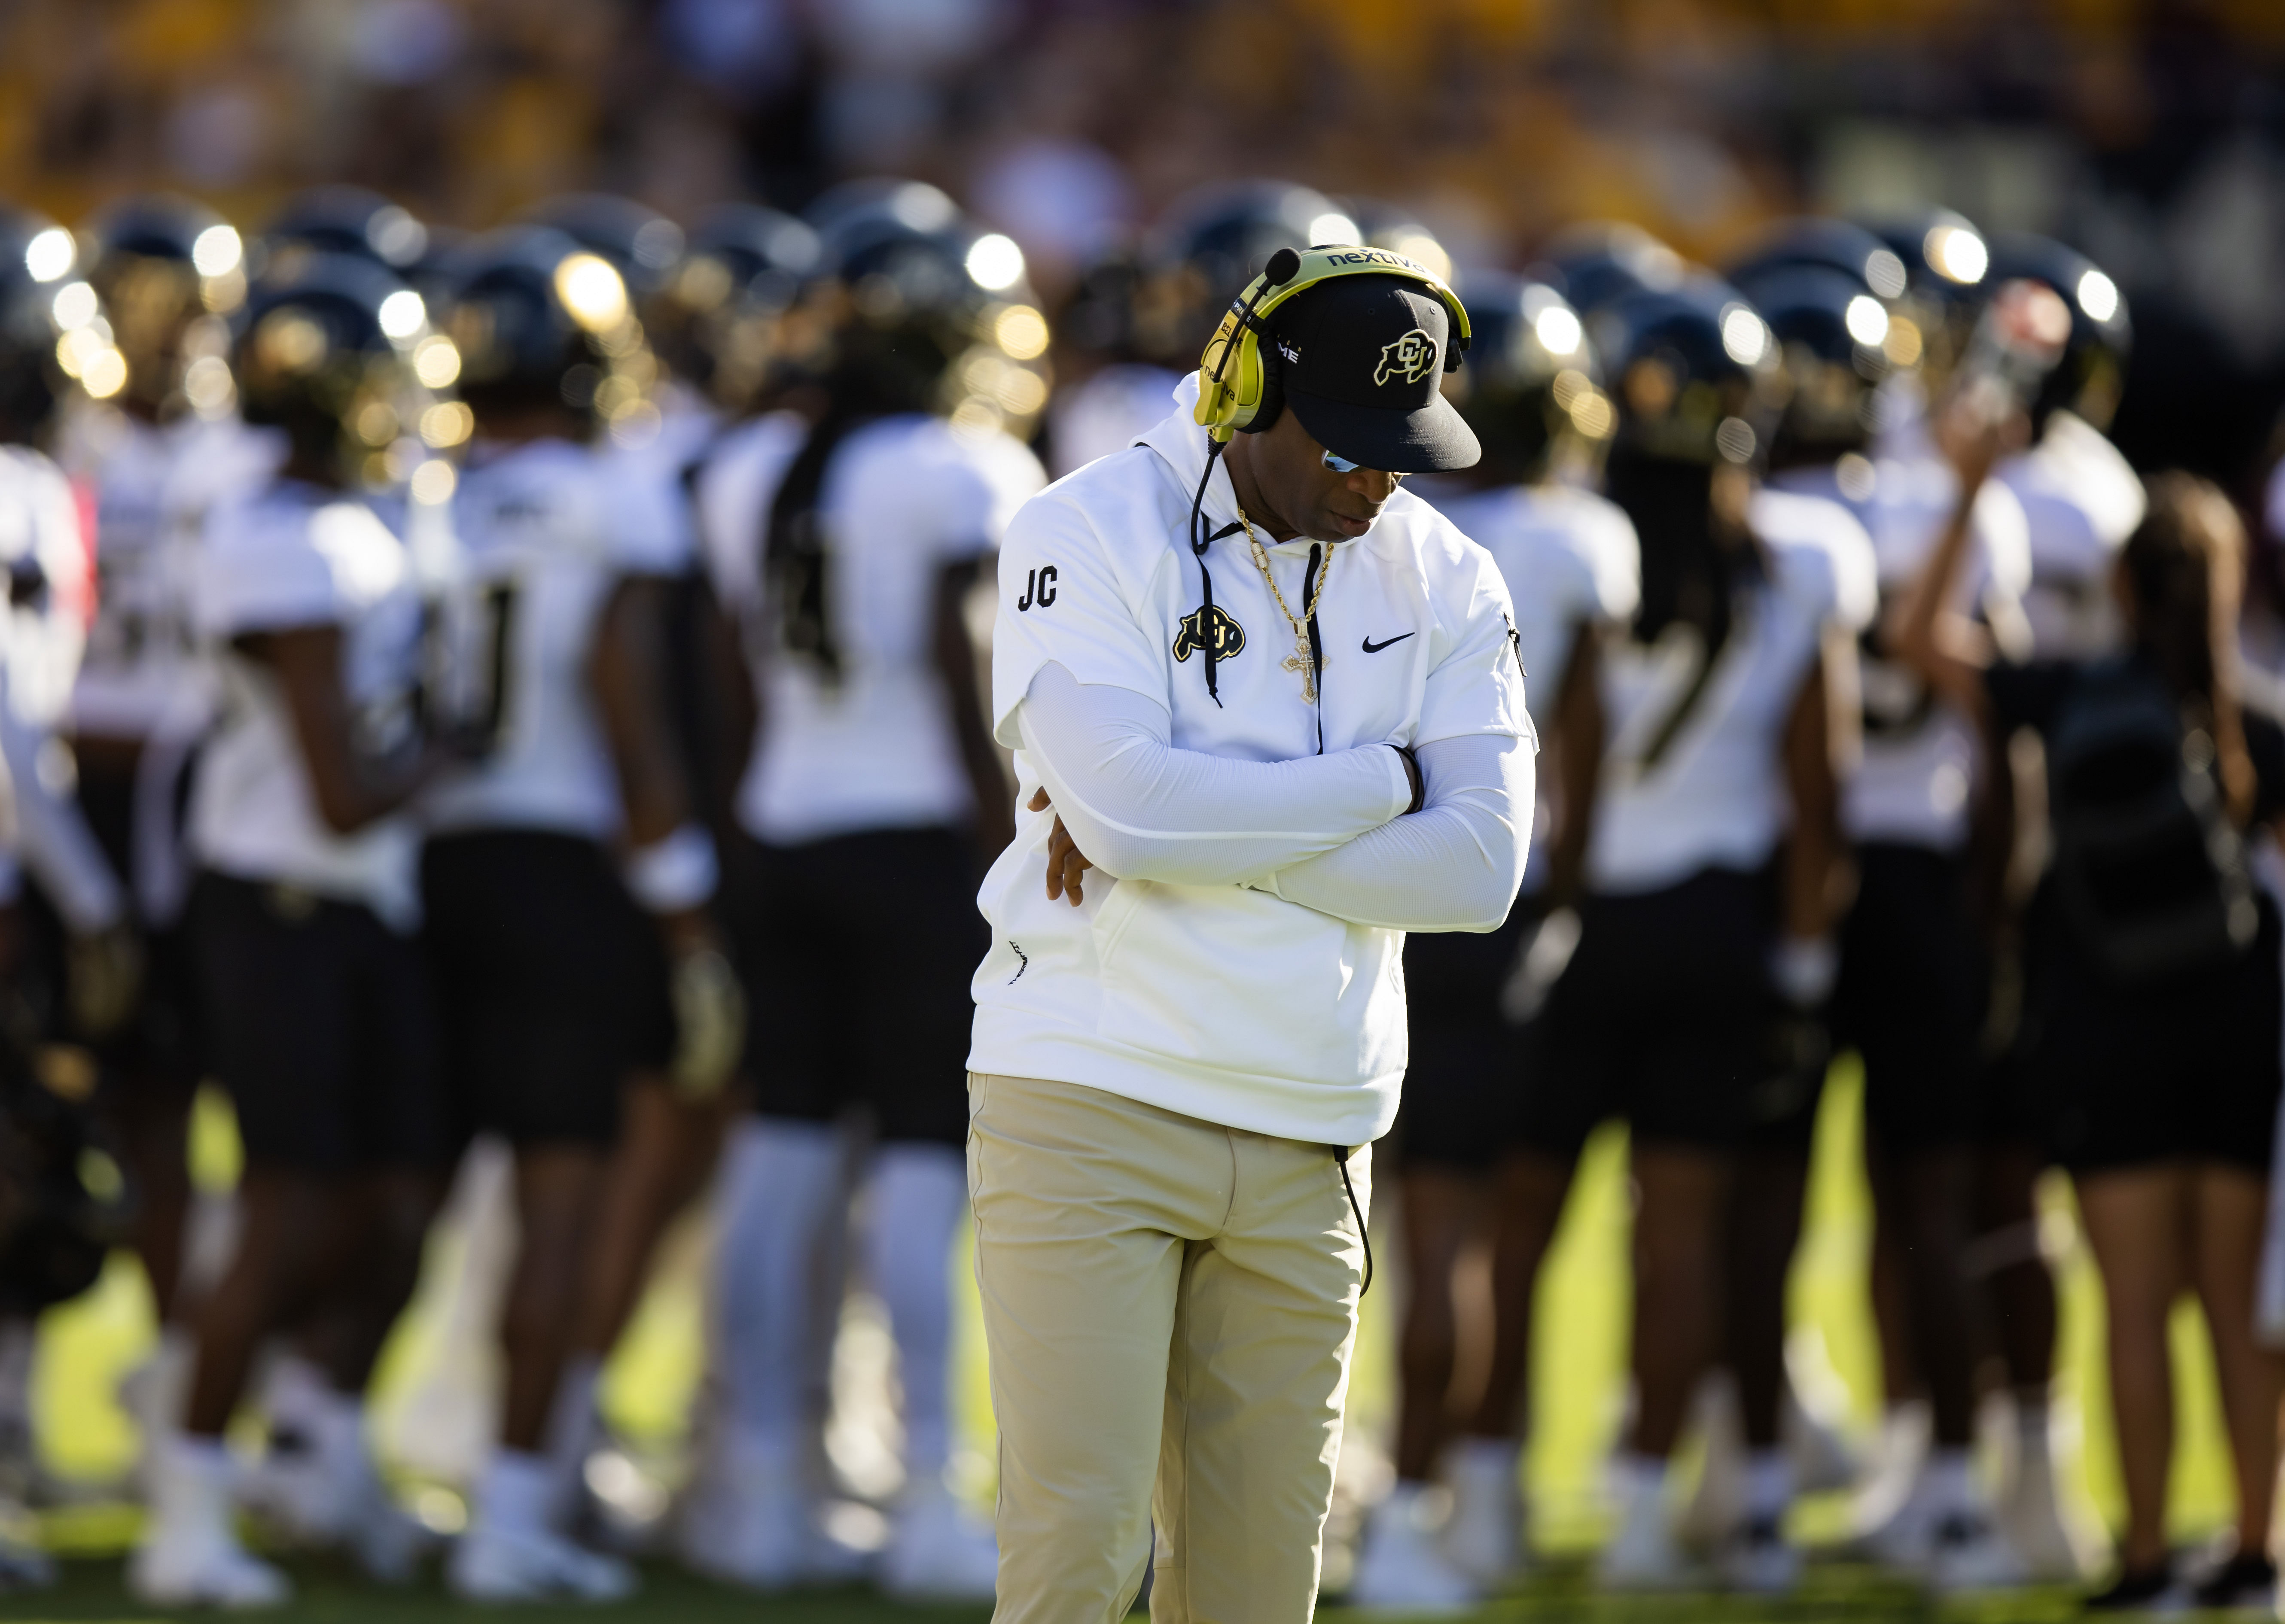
(1268, 715)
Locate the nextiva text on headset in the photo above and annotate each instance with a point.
(1359, 362)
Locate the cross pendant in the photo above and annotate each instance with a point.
(1299, 662)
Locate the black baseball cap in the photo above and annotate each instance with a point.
(1361, 360)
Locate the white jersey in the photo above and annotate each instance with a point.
(1106, 411)
(1570, 559)
(1223, 1002)
(153, 486)
(2082, 500)
(671, 459)
(43, 625)
(1920, 757)
(1709, 792)
(46, 554)
(546, 532)
(292, 558)
(902, 497)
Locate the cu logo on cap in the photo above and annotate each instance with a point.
(1411, 357)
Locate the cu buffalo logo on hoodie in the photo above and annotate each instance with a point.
(1411, 357)
(1209, 629)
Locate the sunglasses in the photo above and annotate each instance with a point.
(1342, 464)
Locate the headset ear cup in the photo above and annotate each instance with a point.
(1269, 393)
(1245, 379)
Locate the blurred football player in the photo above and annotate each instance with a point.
(308, 609)
(542, 860)
(847, 546)
(1911, 984)
(2081, 498)
(717, 322)
(42, 632)
(1532, 392)
(155, 457)
(2079, 501)
(1710, 868)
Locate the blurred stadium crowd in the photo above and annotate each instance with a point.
(1821, 565)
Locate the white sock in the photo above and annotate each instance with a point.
(1486, 1465)
(1637, 1480)
(339, 1421)
(781, 1194)
(1769, 1484)
(295, 1394)
(918, 1193)
(2031, 1422)
(168, 1386)
(193, 1490)
(1407, 1504)
(514, 1492)
(1950, 1477)
(573, 1427)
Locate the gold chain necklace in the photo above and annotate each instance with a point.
(1302, 660)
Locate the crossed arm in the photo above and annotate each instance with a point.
(1354, 834)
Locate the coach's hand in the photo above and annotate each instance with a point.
(1066, 863)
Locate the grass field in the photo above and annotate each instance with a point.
(1578, 1399)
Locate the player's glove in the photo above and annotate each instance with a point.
(1797, 1043)
(709, 1020)
(103, 979)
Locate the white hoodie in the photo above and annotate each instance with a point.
(1223, 1001)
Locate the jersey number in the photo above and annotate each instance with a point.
(470, 666)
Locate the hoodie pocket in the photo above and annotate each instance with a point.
(1111, 920)
(1243, 982)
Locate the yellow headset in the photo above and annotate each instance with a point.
(1236, 386)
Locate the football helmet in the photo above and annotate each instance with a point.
(1831, 332)
(337, 353)
(1388, 226)
(1532, 389)
(1215, 241)
(345, 220)
(926, 311)
(721, 321)
(2092, 374)
(163, 264)
(1693, 372)
(52, 327)
(1594, 262)
(539, 319)
(643, 246)
(1947, 265)
(1834, 244)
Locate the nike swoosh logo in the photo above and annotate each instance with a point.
(1372, 647)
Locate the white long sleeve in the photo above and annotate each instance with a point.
(1454, 865)
(1141, 810)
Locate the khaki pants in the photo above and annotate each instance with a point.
(1163, 1300)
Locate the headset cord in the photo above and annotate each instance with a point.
(1207, 637)
(1316, 643)
(1341, 1160)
